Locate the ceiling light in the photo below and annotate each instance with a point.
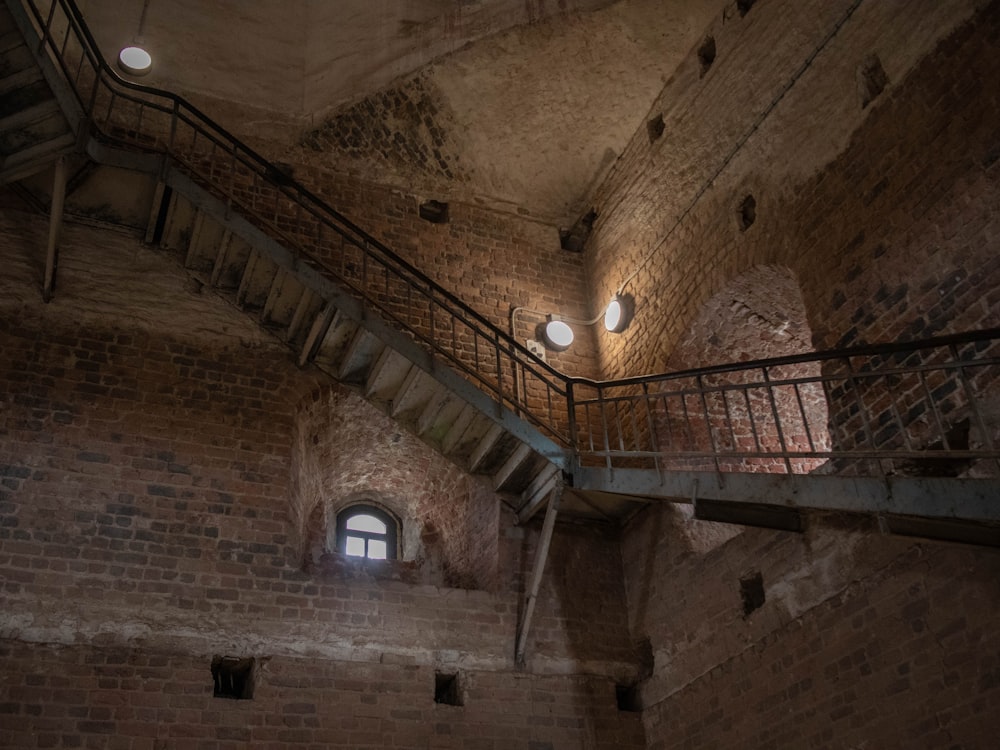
(135, 61)
(556, 334)
(618, 313)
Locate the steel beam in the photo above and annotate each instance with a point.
(936, 498)
(55, 227)
(541, 555)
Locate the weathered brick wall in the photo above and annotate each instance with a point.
(150, 439)
(860, 638)
(132, 699)
(883, 212)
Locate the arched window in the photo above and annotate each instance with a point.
(367, 531)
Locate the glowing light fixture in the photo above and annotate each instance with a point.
(135, 61)
(618, 313)
(556, 334)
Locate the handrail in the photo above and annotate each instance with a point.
(182, 110)
(811, 407)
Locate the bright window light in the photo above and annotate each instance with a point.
(355, 546)
(135, 61)
(366, 523)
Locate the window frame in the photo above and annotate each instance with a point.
(391, 536)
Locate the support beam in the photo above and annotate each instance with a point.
(932, 498)
(541, 555)
(55, 227)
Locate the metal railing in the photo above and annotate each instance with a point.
(923, 407)
(150, 119)
(930, 407)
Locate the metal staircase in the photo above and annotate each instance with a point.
(347, 304)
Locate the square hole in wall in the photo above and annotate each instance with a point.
(628, 698)
(752, 592)
(433, 211)
(232, 677)
(446, 689)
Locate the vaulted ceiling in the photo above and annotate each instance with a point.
(513, 103)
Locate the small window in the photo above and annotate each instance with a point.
(368, 532)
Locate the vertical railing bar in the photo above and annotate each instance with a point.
(111, 102)
(635, 424)
(46, 35)
(805, 419)
(654, 444)
(692, 444)
(670, 424)
(729, 421)
(851, 378)
(753, 422)
(973, 403)
(604, 427)
(590, 432)
(62, 47)
(894, 409)
(500, 386)
(777, 420)
(571, 417)
(934, 410)
(232, 179)
(708, 423)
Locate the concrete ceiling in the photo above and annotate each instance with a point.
(528, 102)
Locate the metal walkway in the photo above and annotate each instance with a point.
(908, 432)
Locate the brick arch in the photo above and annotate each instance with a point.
(759, 314)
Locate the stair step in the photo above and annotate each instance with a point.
(514, 462)
(179, 225)
(29, 127)
(439, 415)
(307, 308)
(30, 160)
(30, 115)
(10, 41)
(487, 443)
(318, 329)
(282, 300)
(233, 256)
(453, 437)
(333, 346)
(207, 236)
(360, 357)
(387, 376)
(255, 284)
(20, 79)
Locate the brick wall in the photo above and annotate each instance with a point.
(882, 211)
(136, 700)
(861, 640)
(157, 464)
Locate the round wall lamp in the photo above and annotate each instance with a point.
(618, 313)
(135, 61)
(555, 334)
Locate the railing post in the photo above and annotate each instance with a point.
(777, 421)
(574, 441)
(973, 405)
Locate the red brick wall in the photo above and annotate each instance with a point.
(884, 213)
(137, 700)
(861, 638)
(152, 509)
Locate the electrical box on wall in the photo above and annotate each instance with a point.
(536, 348)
